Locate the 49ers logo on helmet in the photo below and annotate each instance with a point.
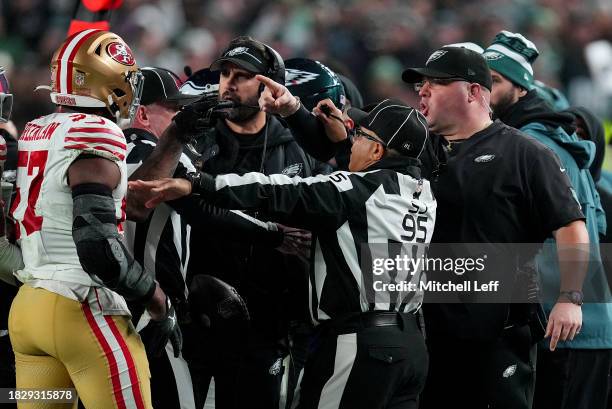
(121, 53)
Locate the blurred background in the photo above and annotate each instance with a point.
(369, 41)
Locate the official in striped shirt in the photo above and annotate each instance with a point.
(369, 352)
(160, 239)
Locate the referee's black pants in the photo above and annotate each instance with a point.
(474, 374)
(372, 361)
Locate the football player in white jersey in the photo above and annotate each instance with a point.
(69, 324)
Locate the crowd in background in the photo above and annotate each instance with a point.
(370, 41)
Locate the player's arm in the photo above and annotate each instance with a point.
(161, 163)
(94, 230)
(103, 254)
(189, 122)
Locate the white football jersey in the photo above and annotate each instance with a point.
(43, 204)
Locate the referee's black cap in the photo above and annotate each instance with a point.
(163, 86)
(398, 125)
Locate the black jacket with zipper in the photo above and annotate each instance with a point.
(264, 277)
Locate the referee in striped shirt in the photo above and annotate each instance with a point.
(160, 239)
(369, 352)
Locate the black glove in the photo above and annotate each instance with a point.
(213, 302)
(198, 116)
(156, 334)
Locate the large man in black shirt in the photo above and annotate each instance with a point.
(497, 186)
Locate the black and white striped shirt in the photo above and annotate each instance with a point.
(161, 243)
(344, 211)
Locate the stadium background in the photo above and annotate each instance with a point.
(370, 41)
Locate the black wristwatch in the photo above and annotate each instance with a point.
(195, 178)
(575, 297)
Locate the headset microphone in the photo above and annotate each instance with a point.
(226, 104)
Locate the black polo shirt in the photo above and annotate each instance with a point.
(498, 186)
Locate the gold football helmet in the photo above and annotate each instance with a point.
(96, 69)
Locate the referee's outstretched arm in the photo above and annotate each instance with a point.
(309, 201)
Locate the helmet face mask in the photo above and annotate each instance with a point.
(96, 69)
(6, 106)
(6, 98)
(136, 81)
(312, 82)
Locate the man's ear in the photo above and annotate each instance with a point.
(377, 151)
(349, 123)
(473, 92)
(142, 115)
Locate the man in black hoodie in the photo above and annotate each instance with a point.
(588, 356)
(250, 140)
(590, 128)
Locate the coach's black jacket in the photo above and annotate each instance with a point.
(344, 210)
(263, 276)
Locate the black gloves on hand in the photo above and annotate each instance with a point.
(156, 334)
(198, 116)
(213, 302)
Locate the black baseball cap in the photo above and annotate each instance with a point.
(452, 62)
(398, 125)
(162, 85)
(356, 114)
(351, 91)
(246, 55)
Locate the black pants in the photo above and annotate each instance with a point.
(171, 385)
(368, 368)
(7, 367)
(247, 369)
(573, 378)
(470, 374)
(301, 336)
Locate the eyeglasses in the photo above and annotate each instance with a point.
(358, 133)
(436, 81)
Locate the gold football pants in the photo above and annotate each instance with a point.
(62, 343)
